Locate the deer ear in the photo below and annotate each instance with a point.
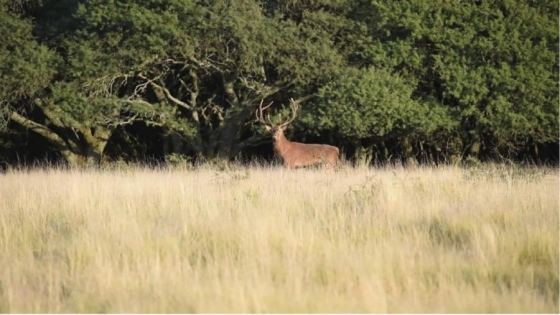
(268, 128)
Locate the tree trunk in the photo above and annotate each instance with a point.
(225, 141)
(82, 160)
(95, 140)
(83, 151)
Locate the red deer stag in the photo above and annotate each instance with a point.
(295, 154)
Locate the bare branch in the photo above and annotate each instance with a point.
(167, 93)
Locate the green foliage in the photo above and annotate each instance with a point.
(493, 64)
(437, 80)
(26, 66)
(373, 103)
(116, 37)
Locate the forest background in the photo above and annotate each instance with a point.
(143, 81)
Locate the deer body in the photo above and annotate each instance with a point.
(296, 154)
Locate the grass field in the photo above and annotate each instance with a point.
(263, 239)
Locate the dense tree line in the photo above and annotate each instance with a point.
(431, 81)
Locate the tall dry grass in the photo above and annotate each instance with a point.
(271, 240)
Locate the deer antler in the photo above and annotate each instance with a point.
(259, 114)
(294, 107)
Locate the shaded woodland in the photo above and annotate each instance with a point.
(86, 82)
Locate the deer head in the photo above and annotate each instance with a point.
(277, 130)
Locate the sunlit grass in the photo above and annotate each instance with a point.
(271, 240)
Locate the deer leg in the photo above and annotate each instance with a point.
(289, 166)
(330, 166)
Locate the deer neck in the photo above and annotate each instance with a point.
(281, 144)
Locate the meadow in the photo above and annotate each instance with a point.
(265, 239)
